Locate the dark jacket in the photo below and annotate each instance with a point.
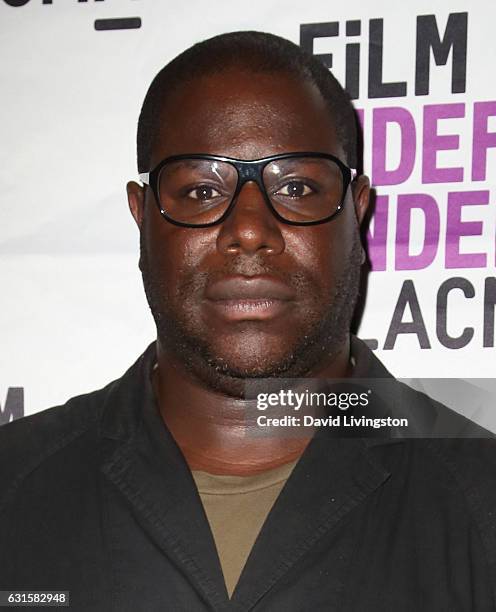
(96, 499)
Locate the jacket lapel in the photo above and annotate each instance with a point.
(332, 477)
(149, 470)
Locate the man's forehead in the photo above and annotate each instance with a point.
(240, 112)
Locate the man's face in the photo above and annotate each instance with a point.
(251, 297)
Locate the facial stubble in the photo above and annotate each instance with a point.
(179, 335)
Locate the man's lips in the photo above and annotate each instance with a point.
(239, 298)
(248, 288)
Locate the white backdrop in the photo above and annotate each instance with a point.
(73, 314)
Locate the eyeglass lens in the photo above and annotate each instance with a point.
(301, 189)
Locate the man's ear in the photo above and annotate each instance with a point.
(361, 195)
(136, 200)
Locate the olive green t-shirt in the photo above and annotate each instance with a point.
(236, 508)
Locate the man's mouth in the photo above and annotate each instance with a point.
(245, 298)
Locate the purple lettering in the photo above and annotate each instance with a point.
(434, 142)
(428, 205)
(456, 228)
(482, 139)
(377, 241)
(381, 118)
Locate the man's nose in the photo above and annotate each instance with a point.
(250, 227)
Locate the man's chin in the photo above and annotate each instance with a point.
(248, 359)
(228, 374)
(225, 365)
(250, 368)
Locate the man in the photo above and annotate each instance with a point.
(156, 493)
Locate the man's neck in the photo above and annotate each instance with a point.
(218, 433)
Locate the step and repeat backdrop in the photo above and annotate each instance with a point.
(73, 73)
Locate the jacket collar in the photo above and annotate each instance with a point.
(127, 398)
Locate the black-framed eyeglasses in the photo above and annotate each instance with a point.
(201, 190)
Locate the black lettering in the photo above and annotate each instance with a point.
(352, 76)
(489, 304)
(310, 31)
(452, 342)
(14, 405)
(378, 89)
(407, 297)
(353, 27)
(455, 37)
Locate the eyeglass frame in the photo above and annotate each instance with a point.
(248, 170)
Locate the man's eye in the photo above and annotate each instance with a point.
(294, 189)
(203, 193)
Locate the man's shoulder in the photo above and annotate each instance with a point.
(27, 442)
(461, 444)
(436, 432)
(431, 418)
(472, 465)
(463, 451)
